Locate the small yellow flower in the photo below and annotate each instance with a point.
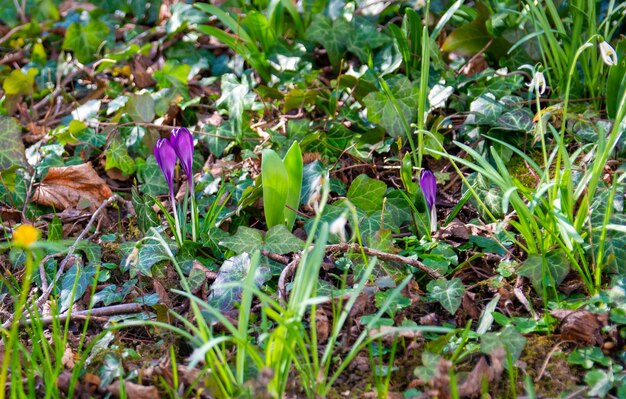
(25, 236)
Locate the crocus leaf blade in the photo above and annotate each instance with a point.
(275, 188)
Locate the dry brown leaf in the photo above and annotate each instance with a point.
(134, 391)
(470, 309)
(322, 324)
(456, 233)
(473, 384)
(580, 326)
(162, 293)
(91, 379)
(67, 359)
(139, 71)
(475, 65)
(77, 186)
(440, 383)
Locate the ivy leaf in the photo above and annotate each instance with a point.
(278, 240)
(150, 253)
(117, 157)
(388, 110)
(85, 41)
(12, 149)
(233, 270)
(586, 357)
(112, 294)
(19, 83)
(367, 193)
(75, 275)
(556, 269)
(332, 35)
(246, 239)
(150, 176)
(397, 208)
(364, 38)
(430, 363)
(485, 110)
(615, 240)
(447, 292)
(219, 137)
(600, 382)
(175, 75)
(508, 339)
(140, 107)
(237, 96)
(517, 120)
(490, 194)
(92, 251)
(146, 216)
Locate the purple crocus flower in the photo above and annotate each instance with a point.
(428, 184)
(182, 141)
(166, 158)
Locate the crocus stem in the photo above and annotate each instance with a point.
(178, 233)
(433, 218)
(194, 211)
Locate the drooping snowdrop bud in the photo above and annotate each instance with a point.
(338, 226)
(538, 83)
(608, 53)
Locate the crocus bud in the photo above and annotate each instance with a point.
(428, 184)
(182, 141)
(166, 158)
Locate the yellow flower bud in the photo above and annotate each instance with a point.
(25, 235)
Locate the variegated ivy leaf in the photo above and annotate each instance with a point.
(447, 292)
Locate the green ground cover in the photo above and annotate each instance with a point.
(321, 198)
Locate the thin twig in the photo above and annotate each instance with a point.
(385, 256)
(287, 272)
(275, 257)
(11, 33)
(545, 362)
(168, 127)
(114, 310)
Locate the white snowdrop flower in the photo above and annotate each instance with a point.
(315, 190)
(338, 226)
(538, 82)
(608, 54)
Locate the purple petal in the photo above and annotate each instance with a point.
(166, 159)
(182, 141)
(428, 184)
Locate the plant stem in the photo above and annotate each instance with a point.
(177, 233)
(13, 336)
(194, 211)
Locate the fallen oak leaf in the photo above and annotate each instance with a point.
(133, 391)
(76, 186)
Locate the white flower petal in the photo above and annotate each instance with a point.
(608, 54)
